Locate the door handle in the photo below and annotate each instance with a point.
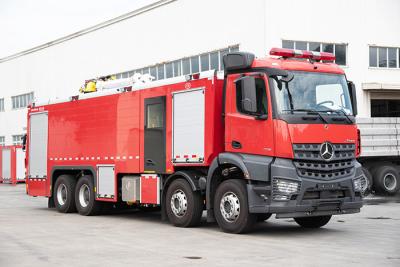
(150, 162)
(236, 145)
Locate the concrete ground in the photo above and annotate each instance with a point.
(32, 235)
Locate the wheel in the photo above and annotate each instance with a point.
(263, 217)
(367, 183)
(184, 206)
(86, 203)
(386, 180)
(231, 207)
(313, 222)
(63, 194)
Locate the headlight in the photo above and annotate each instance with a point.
(357, 183)
(283, 188)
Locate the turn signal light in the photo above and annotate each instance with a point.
(294, 53)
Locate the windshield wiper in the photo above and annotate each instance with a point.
(341, 111)
(313, 111)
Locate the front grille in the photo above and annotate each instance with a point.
(310, 164)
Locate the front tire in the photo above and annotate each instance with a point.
(313, 222)
(184, 206)
(63, 195)
(367, 184)
(86, 203)
(231, 207)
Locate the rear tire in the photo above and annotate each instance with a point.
(313, 222)
(387, 180)
(231, 207)
(184, 206)
(86, 203)
(63, 195)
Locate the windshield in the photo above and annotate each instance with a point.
(320, 92)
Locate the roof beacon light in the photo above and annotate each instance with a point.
(294, 53)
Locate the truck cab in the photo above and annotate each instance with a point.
(290, 132)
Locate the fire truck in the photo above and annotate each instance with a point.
(273, 135)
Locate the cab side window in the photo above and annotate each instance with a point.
(262, 101)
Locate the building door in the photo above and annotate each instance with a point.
(154, 135)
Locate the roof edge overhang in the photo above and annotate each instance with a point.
(380, 86)
(96, 27)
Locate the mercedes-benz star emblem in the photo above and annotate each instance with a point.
(326, 151)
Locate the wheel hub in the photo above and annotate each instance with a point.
(389, 181)
(179, 203)
(62, 194)
(84, 195)
(230, 207)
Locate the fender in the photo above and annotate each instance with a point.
(221, 159)
(254, 167)
(191, 176)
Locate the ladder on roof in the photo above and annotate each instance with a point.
(102, 83)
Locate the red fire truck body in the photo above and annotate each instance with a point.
(12, 164)
(202, 141)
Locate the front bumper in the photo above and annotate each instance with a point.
(314, 198)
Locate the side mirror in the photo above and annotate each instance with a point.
(353, 96)
(247, 86)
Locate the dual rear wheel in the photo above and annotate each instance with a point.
(70, 195)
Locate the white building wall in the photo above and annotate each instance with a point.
(187, 27)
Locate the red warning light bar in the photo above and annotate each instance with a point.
(292, 53)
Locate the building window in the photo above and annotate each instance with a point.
(339, 50)
(21, 101)
(384, 57)
(2, 140)
(1, 104)
(183, 66)
(385, 108)
(17, 139)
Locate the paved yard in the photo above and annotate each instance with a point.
(32, 235)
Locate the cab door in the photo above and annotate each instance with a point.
(249, 132)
